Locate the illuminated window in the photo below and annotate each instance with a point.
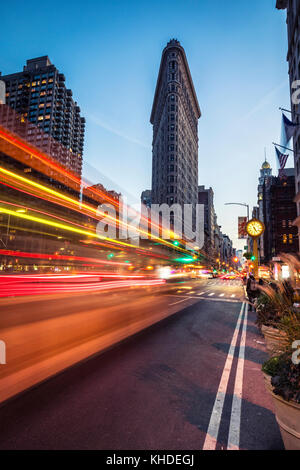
(290, 238)
(41, 105)
(284, 239)
(40, 118)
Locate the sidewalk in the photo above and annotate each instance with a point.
(259, 428)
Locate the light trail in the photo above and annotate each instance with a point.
(92, 211)
(50, 257)
(60, 226)
(32, 288)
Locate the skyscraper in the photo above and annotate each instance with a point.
(206, 197)
(293, 57)
(40, 95)
(174, 117)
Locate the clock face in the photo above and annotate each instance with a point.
(255, 228)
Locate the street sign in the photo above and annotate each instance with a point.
(243, 227)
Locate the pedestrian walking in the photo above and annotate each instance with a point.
(252, 290)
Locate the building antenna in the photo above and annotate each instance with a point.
(265, 154)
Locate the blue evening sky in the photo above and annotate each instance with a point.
(110, 53)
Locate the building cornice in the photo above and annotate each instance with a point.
(173, 45)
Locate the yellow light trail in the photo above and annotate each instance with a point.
(61, 226)
(82, 205)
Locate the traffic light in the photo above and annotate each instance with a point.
(253, 258)
(236, 260)
(176, 243)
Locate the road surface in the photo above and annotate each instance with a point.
(175, 385)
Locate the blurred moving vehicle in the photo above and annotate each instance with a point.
(229, 277)
(205, 274)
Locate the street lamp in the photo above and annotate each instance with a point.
(239, 204)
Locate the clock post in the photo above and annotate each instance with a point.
(255, 229)
(255, 253)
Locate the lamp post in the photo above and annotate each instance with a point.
(243, 205)
(239, 204)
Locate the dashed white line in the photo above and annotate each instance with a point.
(236, 410)
(210, 442)
(210, 295)
(222, 295)
(180, 301)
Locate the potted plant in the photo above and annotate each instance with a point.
(274, 304)
(282, 375)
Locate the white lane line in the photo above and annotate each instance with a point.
(202, 293)
(180, 301)
(210, 295)
(222, 295)
(233, 296)
(236, 410)
(207, 299)
(210, 442)
(216, 299)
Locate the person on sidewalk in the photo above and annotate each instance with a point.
(252, 290)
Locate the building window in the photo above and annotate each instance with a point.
(284, 239)
(290, 238)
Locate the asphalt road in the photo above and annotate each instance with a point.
(171, 386)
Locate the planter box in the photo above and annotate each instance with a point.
(276, 340)
(288, 419)
(267, 379)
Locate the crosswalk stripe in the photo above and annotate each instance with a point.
(222, 295)
(210, 295)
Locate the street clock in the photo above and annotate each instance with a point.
(255, 228)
